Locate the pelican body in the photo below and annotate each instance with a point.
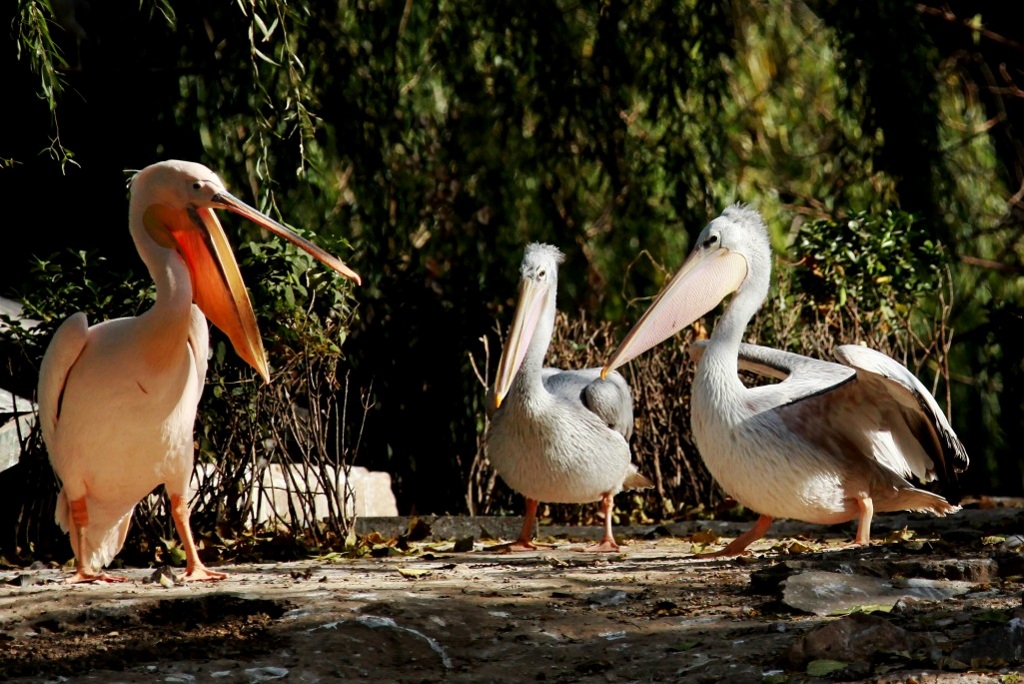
(118, 400)
(832, 442)
(556, 435)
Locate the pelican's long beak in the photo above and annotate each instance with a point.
(232, 203)
(704, 280)
(217, 286)
(532, 298)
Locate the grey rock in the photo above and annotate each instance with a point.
(444, 527)
(825, 593)
(995, 647)
(857, 637)
(608, 597)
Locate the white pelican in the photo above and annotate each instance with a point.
(555, 435)
(118, 400)
(830, 443)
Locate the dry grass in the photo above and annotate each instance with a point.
(305, 420)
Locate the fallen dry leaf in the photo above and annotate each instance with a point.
(413, 573)
(704, 537)
(904, 534)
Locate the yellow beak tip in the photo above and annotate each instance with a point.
(263, 370)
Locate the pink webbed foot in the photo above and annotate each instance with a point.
(738, 546)
(201, 573)
(607, 545)
(195, 571)
(525, 543)
(520, 545)
(82, 576)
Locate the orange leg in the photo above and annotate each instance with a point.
(195, 571)
(79, 523)
(607, 544)
(525, 541)
(738, 546)
(867, 510)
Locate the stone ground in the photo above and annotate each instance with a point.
(648, 613)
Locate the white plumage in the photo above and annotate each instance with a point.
(556, 435)
(831, 442)
(118, 400)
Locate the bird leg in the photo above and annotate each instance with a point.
(195, 571)
(607, 544)
(525, 542)
(83, 573)
(738, 546)
(867, 510)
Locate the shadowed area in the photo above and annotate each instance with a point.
(650, 613)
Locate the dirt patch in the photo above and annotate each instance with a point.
(95, 633)
(649, 613)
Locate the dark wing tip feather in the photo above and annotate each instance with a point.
(952, 457)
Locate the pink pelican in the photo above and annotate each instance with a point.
(118, 400)
(831, 442)
(557, 435)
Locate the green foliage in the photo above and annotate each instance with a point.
(60, 285)
(794, 122)
(886, 263)
(84, 281)
(876, 279)
(302, 304)
(34, 26)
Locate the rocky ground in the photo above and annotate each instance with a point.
(931, 600)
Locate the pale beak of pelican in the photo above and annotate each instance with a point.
(704, 280)
(532, 299)
(232, 203)
(217, 286)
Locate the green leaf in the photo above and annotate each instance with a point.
(865, 608)
(825, 667)
(264, 29)
(991, 616)
(174, 553)
(264, 57)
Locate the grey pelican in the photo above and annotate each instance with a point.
(556, 435)
(832, 442)
(118, 400)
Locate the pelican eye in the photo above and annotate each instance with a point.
(197, 186)
(712, 239)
